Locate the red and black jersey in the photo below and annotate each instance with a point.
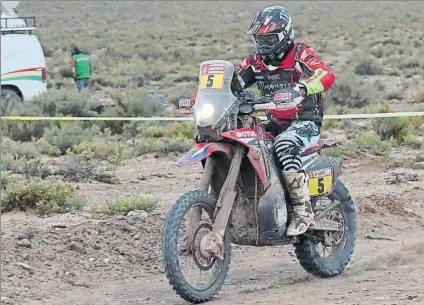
(301, 65)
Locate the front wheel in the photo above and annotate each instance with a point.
(202, 289)
(311, 250)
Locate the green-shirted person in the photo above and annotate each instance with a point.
(81, 69)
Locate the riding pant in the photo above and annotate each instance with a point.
(293, 141)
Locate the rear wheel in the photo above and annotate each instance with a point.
(9, 100)
(203, 289)
(326, 254)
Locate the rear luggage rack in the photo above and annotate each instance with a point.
(15, 25)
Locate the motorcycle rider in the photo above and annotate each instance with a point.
(279, 62)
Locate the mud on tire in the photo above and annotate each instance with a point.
(170, 251)
(306, 252)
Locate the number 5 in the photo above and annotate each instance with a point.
(321, 185)
(209, 83)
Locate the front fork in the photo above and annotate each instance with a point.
(213, 243)
(194, 215)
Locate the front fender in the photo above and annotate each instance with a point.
(202, 151)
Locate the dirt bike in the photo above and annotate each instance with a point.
(243, 194)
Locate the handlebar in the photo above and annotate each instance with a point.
(249, 100)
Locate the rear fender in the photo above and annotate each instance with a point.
(202, 151)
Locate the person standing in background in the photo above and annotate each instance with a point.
(81, 69)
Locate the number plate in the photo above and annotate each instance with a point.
(320, 182)
(212, 76)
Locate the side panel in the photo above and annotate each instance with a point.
(323, 172)
(252, 139)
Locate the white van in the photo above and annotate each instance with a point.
(23, 66)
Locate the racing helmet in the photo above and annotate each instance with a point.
(272, 32)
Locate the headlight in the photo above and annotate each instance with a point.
(205, 112)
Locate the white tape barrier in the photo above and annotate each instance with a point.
(190, 119)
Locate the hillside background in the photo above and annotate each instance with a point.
(374, 47)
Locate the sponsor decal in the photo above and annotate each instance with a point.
(321, 173)
(245, 134)
(214, 69)
(185, 102)
(282, 96)
(274, 77)
(271, 87)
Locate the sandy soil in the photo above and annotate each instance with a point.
(76, 259)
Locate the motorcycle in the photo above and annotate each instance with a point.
(242, 197)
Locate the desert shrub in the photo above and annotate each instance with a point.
(144, 108)
(137, 104)
(66, 102)
(116, 127)
(364, 143)
(20, 165)
(44, 196)
(329, 124)
(131, 103)
(77, 169)
(379, 85)
(130, 130)
(101, 149)
(412, 140)
(67, 135)
(26, 130)
(348, 93)
(377, 51)
(46, 148)
(395, 94)
(418, 96)
(410, 63)
(4, 175)
(369, 142)
(127, 204)
(368, 66)
(176, 129)
(161, 146)
(420, 157)
(6, 178)
(153, 131)
(186, 130)
(160, 139)
(25, 150)
(399, 129)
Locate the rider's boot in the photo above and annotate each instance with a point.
(302, 210)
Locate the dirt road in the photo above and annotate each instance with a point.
(78, 260)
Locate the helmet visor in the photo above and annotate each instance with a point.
(266, 41)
